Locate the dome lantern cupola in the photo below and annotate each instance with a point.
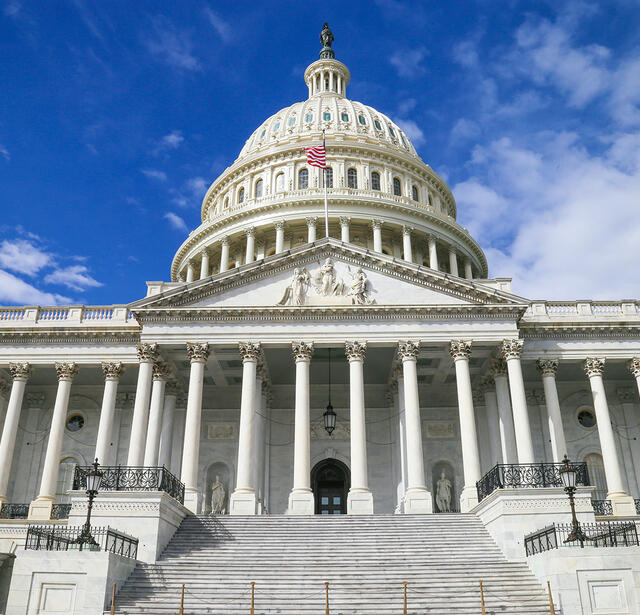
(327, 76)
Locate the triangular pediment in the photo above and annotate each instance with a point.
(324, 274)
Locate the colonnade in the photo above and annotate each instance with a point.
(153, 418)
(200, 266)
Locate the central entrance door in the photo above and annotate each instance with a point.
(330, 480)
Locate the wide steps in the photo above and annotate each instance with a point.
(366, 561)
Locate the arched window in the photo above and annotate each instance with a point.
(226, 202)
(241, 195)
(329, 176)
(397, 188)
(352, 178)
(280, 182)
(430, 201)
(375, 180)
(303, 179)
(259, 187)
(414, 193)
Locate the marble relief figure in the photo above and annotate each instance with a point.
(326, 281)
(359, 289)
(296, 292)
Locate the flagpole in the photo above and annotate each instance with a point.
(326, 205)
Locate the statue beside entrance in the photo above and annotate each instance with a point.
(218, 497)
(443, 493)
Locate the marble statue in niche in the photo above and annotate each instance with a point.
(443, 493)
(218, 497)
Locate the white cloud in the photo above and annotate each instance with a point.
(75, 277)
(12, 8)
(222, 28)
(171, 141)
(408, 63)
(172, 46)
(23, 256)
(14, 291)
(412, 130)
(176, 221)
(464, 129)
(154, 174)
(5, 152)
(197, 186)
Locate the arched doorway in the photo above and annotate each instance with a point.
(330, 480)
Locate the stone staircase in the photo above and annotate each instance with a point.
(364, 559)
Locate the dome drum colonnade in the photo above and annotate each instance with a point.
(155, 401)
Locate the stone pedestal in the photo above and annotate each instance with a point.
(243, 503)
(301, 503)
(359, 502)
(192, 500)
(40, 509)
(468, 499)
(623, 505)
(417, 502)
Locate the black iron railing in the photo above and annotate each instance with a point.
(21, 511)
(527, 475)
(599, 534)
(129, 478)
(64, 538)
(637, 502)
(602, 507)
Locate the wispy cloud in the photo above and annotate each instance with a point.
(156, 174)
(24, 256)
(408, 62)
(4, 152)
(12, 8)
(197, 186)
(175, 221)
(172, 46)
(222, 28)
(75, 277)
(14, 291)
(412, 130)
(171, 141)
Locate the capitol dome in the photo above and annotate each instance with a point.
(380, 195)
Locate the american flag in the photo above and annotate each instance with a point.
(316, 156)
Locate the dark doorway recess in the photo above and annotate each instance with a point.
(330, 480)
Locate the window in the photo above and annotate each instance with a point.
(392, 132)
(362, 120)
(375, 180)
(241, 195)
(403, 141)
(586, 418)
(259, 185)
(326, 116)
(430, 200)
(352, 178)
(377, 124)
(264, 132)
(75, 422)
(226, 203)
(329, 176)
(303, 179)
(397, 188)
(345, 116)
(276, 127)
(308, 118)
(414, 193)
(292, 120)
(280, 182)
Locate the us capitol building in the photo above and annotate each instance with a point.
(374, 371)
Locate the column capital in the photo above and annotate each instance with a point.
(311, 220)
(198, 352)
(345, 220)
(407, 230)
(377, 223)
(280, 224)
(112, 370)
(460, 349)
(147, 353)
(161, 370)
(408, 350)
(172, 387)
(224, 240)
(498, 367)
(250, 351)
(355, 351)
(511, 349)
(204, 252)
(20, 371)
(250, 232)
(302, 351)
(593, 366)
(634, 366)
(66, 371)
(547, 367)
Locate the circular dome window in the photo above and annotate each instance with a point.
(75, 422)
(586, 418)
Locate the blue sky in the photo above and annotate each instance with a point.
(116, 116)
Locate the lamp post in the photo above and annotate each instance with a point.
(329, 415)
(568, 474)
(94, 478)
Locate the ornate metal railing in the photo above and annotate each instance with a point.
(14, 511)
(637, 502)
(63, 538)
(599, 534)
(529, 475)
(602, 507)
(130, 478)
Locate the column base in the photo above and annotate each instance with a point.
(417, 501)
(243, 503)
(40, 509)
(192, 500)
(623, 505)
(301, 503)
(468, 499)
(359, 502)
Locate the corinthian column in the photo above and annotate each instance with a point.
(505, 415)
(20, 373)
(311, 229)
(198, 355)
(168, 415)
(112, 372)
(407, 254)
(359, 499)
(224, 254)
(161, 372)
(279, 236)
(620, 501)
(417, 498)
(41, 507)
(251, 245)
(301, 500)
(511, 350)
(634, 368)
(243, 500)
(345, 221)
(460, 351)
(147, 356)
(377, 235)
(548, 369)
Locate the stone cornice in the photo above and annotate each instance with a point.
(580, 330)
(67, 336)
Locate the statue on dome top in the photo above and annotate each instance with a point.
(326, 38)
